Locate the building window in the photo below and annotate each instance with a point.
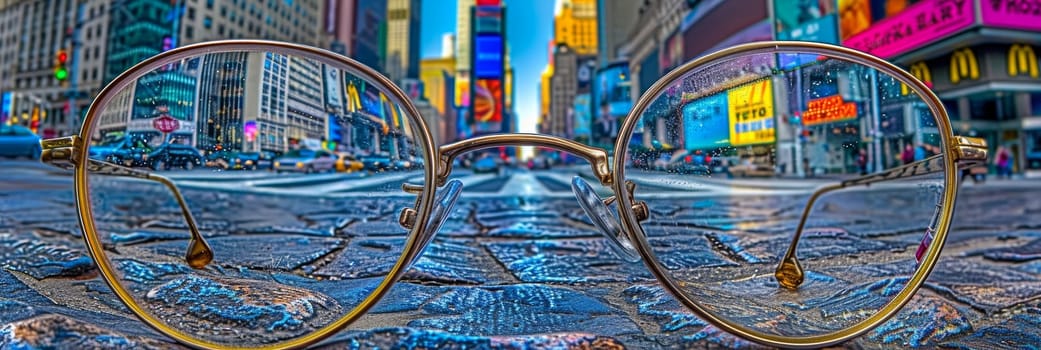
(207, 22)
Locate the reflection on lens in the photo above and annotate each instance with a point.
(291, 168)
(743, 143)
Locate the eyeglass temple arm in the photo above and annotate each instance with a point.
(968, 152)
(61, 153)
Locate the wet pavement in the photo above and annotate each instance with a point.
(504, 272)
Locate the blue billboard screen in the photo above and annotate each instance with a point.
(706, 123)
(611, 100)
(488, 56)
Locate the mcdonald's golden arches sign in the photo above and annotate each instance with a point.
(921, 71)
(964, 66)
(1022, 61)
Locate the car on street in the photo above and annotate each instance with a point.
(347, 163)
(375, 162)
(19, 141)
(539, 162)
(172, 155)
(306, 161)
(131, 152)
(747, 168)
(486, 164)
(233, 160)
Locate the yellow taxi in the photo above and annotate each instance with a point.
(346, 163)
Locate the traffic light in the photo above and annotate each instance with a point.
(60, 71)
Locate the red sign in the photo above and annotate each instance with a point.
(827, 110)
(924, 22)
(489, 2)
(166, 124)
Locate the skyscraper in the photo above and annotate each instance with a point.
(403, 39)
(574, 25)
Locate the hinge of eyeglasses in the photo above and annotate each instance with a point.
(59, 152)
(639, 207)
(407, 219)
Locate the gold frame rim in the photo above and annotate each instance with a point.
(127, 77)
(637, 235)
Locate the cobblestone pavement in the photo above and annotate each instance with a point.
(504, 272)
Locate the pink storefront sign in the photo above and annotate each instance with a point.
(919, 24)
(1013, 14)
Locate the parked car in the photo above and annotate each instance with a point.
(401, 164)
(539, 162)
(232, 160)
(746, 168)
(133, 152)
(486, 164)
(306, 161)
(173, 155)
(19, 141)
(375, 162)
(346, 162)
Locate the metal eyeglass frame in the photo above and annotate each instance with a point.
(960, 153)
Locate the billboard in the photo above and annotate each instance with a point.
(488, 106)
(488, 19)
(907, 28)
(806, 20)
(462, 92)
(705, 123)
(828, 110)
(6, 102)
(333, 92)
(488, 56)
(1012, 14)
(583, 115)
(751, 109)
(611, 100)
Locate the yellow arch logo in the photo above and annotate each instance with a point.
(964, 66)
(1022, 60)
(921, 71)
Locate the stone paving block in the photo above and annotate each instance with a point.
(565, 261)
(42, 258)
(407, 338)
(1020, 329)
(56, 331)
(522, 309)
(277, 252)
(927, 321)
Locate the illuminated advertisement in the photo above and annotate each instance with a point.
(828, 110)
(370, 101)
(487, 106)
(462, 92)
(611, 100)
(751, 109)
(912, 27)
(705, 123)
(583, 115)
(1012, 14)
(488, 56)
(488, 19)
(5, 107)
(806, 20)
(489, 2)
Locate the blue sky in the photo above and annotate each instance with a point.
(529, 27)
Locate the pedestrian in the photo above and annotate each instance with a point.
(919, 152)
(862, 161)
(907, 156)
(1003, 162)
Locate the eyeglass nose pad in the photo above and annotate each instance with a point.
(444, 202)
(604, 220)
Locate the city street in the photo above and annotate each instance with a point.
(516, 265)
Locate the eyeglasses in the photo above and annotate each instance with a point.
(265, 194)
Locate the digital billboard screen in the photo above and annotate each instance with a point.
(583, 115)
(611, 100)
(806, 20)
(488, 19)
(488, 56)
(487, 107)
(705, 123)
(751, 110)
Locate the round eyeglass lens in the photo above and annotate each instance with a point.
(730, 155)
(291, 169)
